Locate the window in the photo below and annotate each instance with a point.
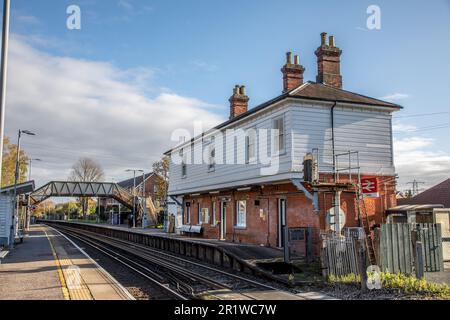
(183, 164)
(155, 188)
(250, 145)
(241, 212)
(278, 141)
(199, 214)
(188, 213)
(214, 220)
(205, 215)
(212, 155)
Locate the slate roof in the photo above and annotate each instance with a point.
(320, 91)
(316, 92)
(128, 184)
(439, 194)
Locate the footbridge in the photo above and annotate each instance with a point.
(85, 190)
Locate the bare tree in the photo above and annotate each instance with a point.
(86, 170)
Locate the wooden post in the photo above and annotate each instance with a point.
(419, 263)
(362, 262)
(287, 258)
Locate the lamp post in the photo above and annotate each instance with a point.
(3, 75)
(134, 193)
(30, 162)
(15, 220)
(27, 217)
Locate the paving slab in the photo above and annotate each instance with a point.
(49, 266)
(29, 271)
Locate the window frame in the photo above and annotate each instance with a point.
(248, 137)
(241, 218)
(213, 209)
(212, 154)
(281, 136)
(183, 164)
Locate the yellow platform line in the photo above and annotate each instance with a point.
(62, 280)
(81, 291)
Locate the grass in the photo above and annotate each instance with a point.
(402, 283)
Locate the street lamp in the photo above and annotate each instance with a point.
(134, 193)
(3, 75)
(29, 166)
(15, 219)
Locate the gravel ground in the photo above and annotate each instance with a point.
(352, 292)
(138, 286)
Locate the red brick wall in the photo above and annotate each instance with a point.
(261, 227)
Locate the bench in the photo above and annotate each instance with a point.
(191, 229)
(3, 255)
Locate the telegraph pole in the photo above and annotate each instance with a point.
(415, 186)
(3, 75)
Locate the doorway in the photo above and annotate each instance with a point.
(223, 220)
(281, 222)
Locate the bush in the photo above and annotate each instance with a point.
(402, 283)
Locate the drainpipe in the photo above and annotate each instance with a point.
(333, 141)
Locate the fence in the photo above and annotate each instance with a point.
(339, 255)
(397, 247)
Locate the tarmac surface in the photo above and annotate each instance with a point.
(48, 266)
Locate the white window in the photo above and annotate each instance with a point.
(241, 213)
(199, 214)
(183, 164)
(212, 155)
(205, 215)
(279, 136)
(155, 188)
(214, 220)
(250, 145)
(188, 213)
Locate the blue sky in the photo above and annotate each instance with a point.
(199, 49)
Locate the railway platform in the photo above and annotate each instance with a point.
(252, 259)
(49, 266)
(247, 252)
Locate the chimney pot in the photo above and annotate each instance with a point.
(243, 91)
(296, 60)
(288, 57)
(323, 36)
(331, 41)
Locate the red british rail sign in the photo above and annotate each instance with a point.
(369, 187)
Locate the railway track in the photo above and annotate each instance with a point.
(180, 278)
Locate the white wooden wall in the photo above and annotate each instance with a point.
(307, 126)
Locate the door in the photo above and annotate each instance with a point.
(281, 221)
(223, 220)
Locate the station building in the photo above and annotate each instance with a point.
(251, 188)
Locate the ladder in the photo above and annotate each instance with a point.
(365, 224)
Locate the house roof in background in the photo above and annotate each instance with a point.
(439, 194)
(128, 184)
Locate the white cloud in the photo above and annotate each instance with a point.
(402, 127)
(86, 108)
(418, 158)
(27, 19)
(395, 97)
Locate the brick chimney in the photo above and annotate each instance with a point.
(238, 101)
(329, 62)
(292, 73)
